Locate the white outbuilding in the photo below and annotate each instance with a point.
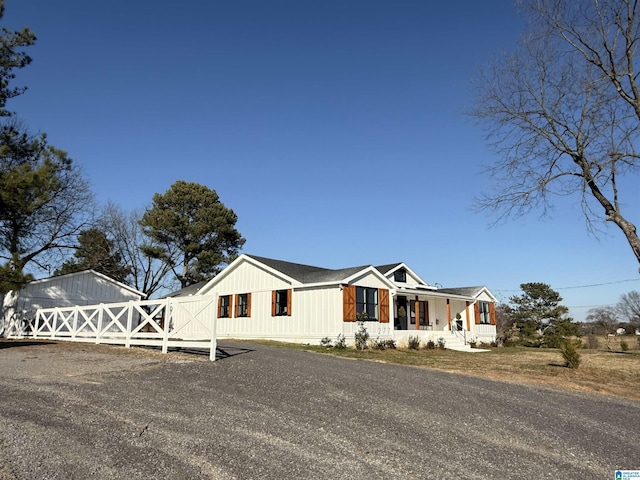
(81, 288)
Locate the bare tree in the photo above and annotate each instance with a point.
(628, 307)
(606, 318)
(603, 316)
(149, 275)
(563, 112)
(44, 203)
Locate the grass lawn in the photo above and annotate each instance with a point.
(601, 371)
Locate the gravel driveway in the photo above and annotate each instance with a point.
(76, 411)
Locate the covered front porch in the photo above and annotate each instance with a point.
(431, 315)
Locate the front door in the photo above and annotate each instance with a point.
(401, 320)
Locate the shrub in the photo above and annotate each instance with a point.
(553, 341)
(430, 345)
(414, 342)
(624, 346)
(379, 344)
(362, 337)
(511, 342)
(341, 343)
(592, 342)
(441, 343)
(326, 342)
(473, 343)
(390, 343)
(570, 353)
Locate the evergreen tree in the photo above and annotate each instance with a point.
(12, 57)
(43, 197)
(540, 317)
(96, 252)
(193, 231)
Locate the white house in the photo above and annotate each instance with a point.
(273, 299)
(81, 288)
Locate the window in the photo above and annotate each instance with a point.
(366, 303)
(243, 305)
(224, 306)
(422, 313)
(412, 312)
(485, 316)
(281, 303)
(400, 275)
(354, 302)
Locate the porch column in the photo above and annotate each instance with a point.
(417, 313)
(449, 314)
(468, 318)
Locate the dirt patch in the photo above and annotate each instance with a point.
(73, 360)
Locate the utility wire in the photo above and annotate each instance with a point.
(585, 286)
(591, 306)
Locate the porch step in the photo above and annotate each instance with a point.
(454, 342)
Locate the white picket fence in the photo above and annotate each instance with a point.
(168, 322)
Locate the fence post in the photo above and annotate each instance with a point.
(100, 313)
(165, 329)
(54, 322)
(127, 343)
(214, 340)
(35, 324)
(75, 322)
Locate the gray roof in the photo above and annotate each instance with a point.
(308, 273)
(386, 268)
(463, 291)
(190, 290)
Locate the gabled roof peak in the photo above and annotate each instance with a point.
(387, 268)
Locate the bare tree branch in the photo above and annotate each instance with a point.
(563, 112)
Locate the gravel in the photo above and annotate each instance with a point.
(76, 411)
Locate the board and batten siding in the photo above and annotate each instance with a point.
(83, 288)
(247, 278)
(458, 306)
(377, 328)
(315, 311)
(484, 332)
(369, 280)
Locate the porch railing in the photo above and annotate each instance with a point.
(462, 333)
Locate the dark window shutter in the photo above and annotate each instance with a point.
(236, 302)
(219, 306)
(492, 313)
(248, 304)
(349, 303)
(476, 312)
(273, 303)
(383, 307)
(289, 295)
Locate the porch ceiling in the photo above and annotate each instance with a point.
(431, 293)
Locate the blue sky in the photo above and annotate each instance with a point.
(335, 130)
